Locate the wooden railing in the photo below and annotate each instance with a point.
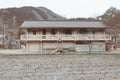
(67, 37)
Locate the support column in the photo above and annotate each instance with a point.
(41, 46)
(27, 46)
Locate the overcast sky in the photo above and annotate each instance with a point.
(67, 8)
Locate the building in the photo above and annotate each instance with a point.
(80, 36)
(3, 40)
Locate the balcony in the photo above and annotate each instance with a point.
(65, 37)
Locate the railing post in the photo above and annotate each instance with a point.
(67, 37)
(26, 37)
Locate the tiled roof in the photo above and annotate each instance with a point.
(63, 24)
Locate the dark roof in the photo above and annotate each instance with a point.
(63, 24)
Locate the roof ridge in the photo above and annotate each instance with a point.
(62, 20)
(63, 24)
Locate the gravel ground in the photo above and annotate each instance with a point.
(60, 67)
(22, 51)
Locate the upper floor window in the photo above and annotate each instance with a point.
(65, 31)
(92, 31)
(44, 31)
(83, 31)
(68, 31)
(34, 32)
(53, 31)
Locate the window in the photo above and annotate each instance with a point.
(82, 31)
(44, 31)
(53, 31)
(34, 32)
(92, 31)
(68, 31)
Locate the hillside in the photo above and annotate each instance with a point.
(12, 18)
(29, 13)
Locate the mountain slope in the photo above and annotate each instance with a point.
(29, 13)
(12, 18)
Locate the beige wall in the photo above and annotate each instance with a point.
(68, 44)
(38, 46)
(33, 46)
(49, 45)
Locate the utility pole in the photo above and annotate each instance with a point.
(3, 20)
(3, 33)
(3, 30)
(14, 24)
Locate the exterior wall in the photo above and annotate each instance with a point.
(49, 45)
(33, 46)
(54, 44)
(39, 47)
(96, 46)
(68, 44)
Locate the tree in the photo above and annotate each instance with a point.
(112, 18)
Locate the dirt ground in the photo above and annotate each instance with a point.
(22, 51)
(60, 67)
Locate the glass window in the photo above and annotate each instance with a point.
(82, 31)
(44, 31)
(34, 32)
(53, 31)
(92, 31)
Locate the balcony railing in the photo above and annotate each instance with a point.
(66, 37)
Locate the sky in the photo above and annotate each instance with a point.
(67, 8)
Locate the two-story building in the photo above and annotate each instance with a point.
(50, 35)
